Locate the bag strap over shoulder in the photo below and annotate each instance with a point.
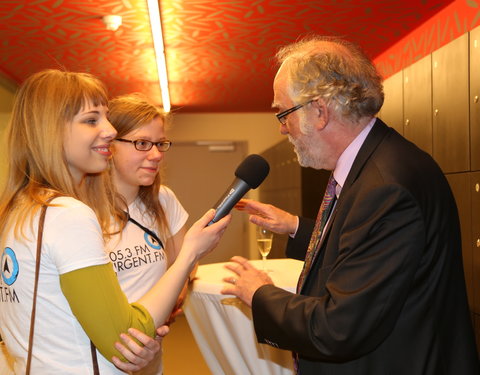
(41, 223)
(93, 349)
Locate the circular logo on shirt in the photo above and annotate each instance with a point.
(151, 241)
(9, 266)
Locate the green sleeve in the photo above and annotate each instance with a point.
(102, 308)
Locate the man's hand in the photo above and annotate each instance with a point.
(138, 356)
(268, 216)
(246, 281)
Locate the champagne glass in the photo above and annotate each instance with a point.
(264, 242)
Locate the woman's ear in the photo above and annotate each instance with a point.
(320, 111)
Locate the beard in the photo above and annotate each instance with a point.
(303, 146)
(302, 149)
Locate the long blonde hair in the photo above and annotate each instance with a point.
(37, 168)
(128, 113)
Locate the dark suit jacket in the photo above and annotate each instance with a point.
(386, 294)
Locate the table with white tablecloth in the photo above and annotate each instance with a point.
(222, 325)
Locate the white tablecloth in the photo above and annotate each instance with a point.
(223, 328)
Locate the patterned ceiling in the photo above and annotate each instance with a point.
(219, 52)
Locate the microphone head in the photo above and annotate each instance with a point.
(253, 170)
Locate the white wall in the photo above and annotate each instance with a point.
(260, 130)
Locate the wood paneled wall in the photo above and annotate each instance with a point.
(435, 104)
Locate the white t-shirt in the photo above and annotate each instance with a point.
(72, 239)
(138, 259)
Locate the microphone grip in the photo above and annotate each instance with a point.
(234, 193)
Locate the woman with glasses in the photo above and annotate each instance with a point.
(59, 143)
(149, 217)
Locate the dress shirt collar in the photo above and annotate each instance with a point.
(345, 162)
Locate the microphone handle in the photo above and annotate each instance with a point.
(234, 193)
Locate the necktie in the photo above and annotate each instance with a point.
(322, 218)
(314, 245)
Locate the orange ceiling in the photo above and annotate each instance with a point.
(219, 53)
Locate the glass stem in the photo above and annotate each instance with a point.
(264, 261)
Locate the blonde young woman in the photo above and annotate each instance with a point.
(151, 218)
(58, 144)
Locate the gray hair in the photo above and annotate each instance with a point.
(337, 71)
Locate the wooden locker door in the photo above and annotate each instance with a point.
(475, 98)
(417, 103)
(460, 185)
(451, 139)
(392, 109)
(474, 188)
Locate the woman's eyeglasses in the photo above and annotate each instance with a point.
(144, 145)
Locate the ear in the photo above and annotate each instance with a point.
(320, 111)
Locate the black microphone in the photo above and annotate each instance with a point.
(249, 175)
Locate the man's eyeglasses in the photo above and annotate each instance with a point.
(143, 145)
(282, 116)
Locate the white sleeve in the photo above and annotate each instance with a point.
(174, 211)
(72, 236)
